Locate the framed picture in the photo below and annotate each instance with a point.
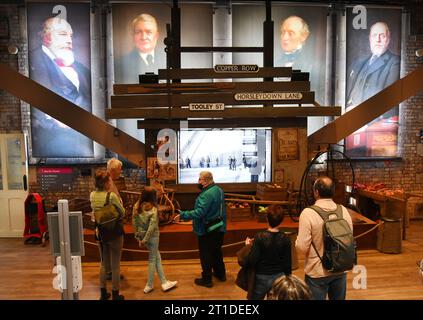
(287, 142)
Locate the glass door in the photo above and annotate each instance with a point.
(13, 184)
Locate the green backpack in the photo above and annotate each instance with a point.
(338, 240)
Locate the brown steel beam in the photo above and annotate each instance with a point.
(246, 112)
(184, 99)
(211, 74)
(119, 89)
(224, 123)
(73, 116)
(369, 110)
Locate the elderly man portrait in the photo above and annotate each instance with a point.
(376, 71)
(294, 32)
(53, 64)
(144, 57)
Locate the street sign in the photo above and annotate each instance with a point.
(236, 68)
(253, 96)
(206, 106)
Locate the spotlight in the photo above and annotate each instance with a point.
(12, 49)
(419, 53)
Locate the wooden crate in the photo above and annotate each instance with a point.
(238, 214)
(270, 192)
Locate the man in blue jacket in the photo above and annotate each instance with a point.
(209, 224)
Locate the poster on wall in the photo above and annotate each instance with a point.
(157, 170)
(138, 39)
(59, 59)
(373, 63)
(288, 144)
(300, 42)
(299, 39)
(139, 31)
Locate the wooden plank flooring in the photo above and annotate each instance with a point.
(26, 274)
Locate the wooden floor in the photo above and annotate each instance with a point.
(26, 274)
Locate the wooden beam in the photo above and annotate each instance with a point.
(369, 110)
(184, 99)
(73, 116)
(120, 89)
(221, 49)
(250, 112)
(225, 123)
(211, 74)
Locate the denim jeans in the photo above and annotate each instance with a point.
(154, 261)
(334, 286)
(262, 285)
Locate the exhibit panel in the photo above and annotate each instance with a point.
(373, 63)
(59, 59)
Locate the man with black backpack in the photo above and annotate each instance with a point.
(325, 237)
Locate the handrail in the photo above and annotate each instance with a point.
(369, 110)
(70, 114)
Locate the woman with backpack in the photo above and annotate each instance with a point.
(270, 254)
(146, 226)
(110, 241)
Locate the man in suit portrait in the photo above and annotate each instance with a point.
(144, 56)
(294, 34)
(376, 71)
(54, 66)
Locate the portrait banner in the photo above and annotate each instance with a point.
(59, 59)
(373, 63)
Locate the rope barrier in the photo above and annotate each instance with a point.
(167, 251)
(224, 246)
(368, 231)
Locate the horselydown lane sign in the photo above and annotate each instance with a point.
(206, 106)
(253, 96)
(236, 68)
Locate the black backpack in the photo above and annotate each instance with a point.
(338, 241)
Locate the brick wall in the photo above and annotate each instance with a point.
(10, 115)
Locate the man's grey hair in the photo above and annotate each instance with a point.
(388, 32)
(113, 163)
(145, 17)
(207, 176)
(305, 30)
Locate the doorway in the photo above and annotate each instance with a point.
(13, 184)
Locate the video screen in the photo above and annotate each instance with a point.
(59, 59)
(373, 63)
(232, 155)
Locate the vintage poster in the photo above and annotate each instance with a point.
(287, 142)
(157, 170)
(279, 176)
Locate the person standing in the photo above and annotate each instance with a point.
(270, 254)
(117, 183)
(209, 224)
(111, 248)
(146, 226)
(321, 282)
(114, 168)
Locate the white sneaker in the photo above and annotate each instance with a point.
(148, 289)
(169, 285)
